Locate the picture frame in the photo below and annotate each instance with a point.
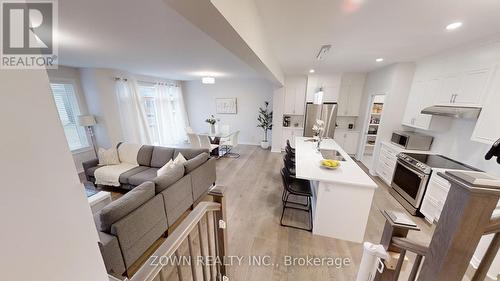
(226, 106)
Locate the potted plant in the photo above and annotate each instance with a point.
(211, 121)
(266, 123)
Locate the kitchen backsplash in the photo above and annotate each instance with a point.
(343, 122)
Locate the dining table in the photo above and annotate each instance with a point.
(215, 138)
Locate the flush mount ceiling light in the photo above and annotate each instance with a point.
(311, 70)
(323, 51)
(379, 60)
(208, 80)
(453, 26)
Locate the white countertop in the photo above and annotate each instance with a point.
(307, 165)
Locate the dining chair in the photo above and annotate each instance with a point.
(205, 143)
(298, 188)
(231, 144)
(289, 146)
(194, 140)
(289, 165)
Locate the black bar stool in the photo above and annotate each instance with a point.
(300, 188)
(289, 146)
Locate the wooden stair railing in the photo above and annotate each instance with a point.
(212, 214)
(465, 218)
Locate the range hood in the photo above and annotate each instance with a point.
(454, 111)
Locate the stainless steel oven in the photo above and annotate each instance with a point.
(408, 185)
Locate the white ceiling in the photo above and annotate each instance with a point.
(363, 30)
(142, 37)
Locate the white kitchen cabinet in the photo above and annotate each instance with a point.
(329, 83)
(420, 97)
(386, 163)
(449, 86)
(348, 140)
(435, 197)
(487, 129)
(295, 92)
(467, 87)
(350, 95)
(289, 133)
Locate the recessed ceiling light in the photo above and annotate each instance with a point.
(379, 60)
(311, 70)
(208, 80)
(453, 26)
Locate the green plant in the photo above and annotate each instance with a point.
(265, 119)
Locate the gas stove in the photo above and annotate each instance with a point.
(425, 162)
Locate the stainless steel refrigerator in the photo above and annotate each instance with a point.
(326, 112)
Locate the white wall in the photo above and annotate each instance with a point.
(244, 18)
(250, 93)
(48, 231)
(278, 103)
(71, 74)
(99, 88)
(394, 81)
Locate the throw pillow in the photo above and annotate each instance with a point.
(179, 160)
(163, 170)
(108, 156)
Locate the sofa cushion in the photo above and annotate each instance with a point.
(125, 176)
(144, 155)
(121, 207)
(111, 253)
(178, 198)
(128, 152)
(203, 177)
(140, 229)
(146, 175)
(171, 176)
(189, 153)
(195, 162)
(161, 155)
(90, 171)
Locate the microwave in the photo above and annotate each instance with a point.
(412, 140)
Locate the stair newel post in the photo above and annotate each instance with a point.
(465, 216)
(391, 230)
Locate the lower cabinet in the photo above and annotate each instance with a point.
(386, 163)
(435, 197)
(348, 140)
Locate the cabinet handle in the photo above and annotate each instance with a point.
(451, 98)
(455, 98)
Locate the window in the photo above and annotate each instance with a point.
(148, 94)
(67, 107)
(172, 117)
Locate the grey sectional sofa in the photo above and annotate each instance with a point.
(131, 225)
(150, 159)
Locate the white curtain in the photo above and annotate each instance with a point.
(171, 114)
(132, 113)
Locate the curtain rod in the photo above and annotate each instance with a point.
(150, 82)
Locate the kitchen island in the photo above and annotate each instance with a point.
(342, 198)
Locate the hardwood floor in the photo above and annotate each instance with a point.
(254, 208)
(253, 198)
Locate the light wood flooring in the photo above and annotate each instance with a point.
(253, 196)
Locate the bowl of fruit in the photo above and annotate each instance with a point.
(329, 164)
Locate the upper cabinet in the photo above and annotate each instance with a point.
(345, 89)
(329, 83)
(465, 88)
(295, 93)
(351, 91)
(487, 129)
(458, 79)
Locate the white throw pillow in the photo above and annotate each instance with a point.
(108, 156)
(179, 160)
(163, 170)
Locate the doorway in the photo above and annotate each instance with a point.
(371, 126)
